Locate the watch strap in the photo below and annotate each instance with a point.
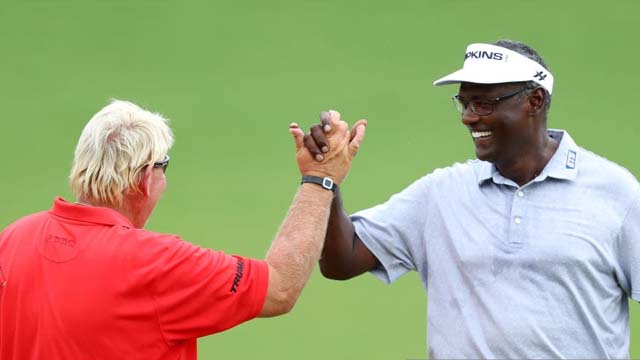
(325, 182)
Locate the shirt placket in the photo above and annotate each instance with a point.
(518, 219)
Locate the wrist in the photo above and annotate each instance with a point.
(325, 182)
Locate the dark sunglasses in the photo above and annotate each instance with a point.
(163, 164)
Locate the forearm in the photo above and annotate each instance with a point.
(339, 237)
(298, 244)
(344, 255)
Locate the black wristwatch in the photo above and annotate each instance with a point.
(325, 182)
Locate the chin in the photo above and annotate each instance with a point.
(481, 155)
(485, 156)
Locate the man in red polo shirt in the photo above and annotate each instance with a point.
(84, 280)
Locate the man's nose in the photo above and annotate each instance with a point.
(469, 117)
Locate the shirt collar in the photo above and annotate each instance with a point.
(562, 165)
(87, 213)
(485, 171)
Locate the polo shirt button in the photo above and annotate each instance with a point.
(517, 220)
(520, 193)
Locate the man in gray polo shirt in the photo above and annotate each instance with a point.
(530, 251)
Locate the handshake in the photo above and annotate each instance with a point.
(329, 147)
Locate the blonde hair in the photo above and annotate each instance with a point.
(114, 147)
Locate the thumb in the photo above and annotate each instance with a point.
(353, 128)
(298, 135)
(357, 134)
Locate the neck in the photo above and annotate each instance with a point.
(136, 215)
(528, 166)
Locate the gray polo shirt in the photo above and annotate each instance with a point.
(539, 271)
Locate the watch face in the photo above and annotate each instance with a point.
(327, 183)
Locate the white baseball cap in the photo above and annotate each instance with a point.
(491, 64)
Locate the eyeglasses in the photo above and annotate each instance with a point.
(163, 164)
(482, 108)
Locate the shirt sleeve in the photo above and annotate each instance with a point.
(394, 231)
(199, 291)
(629, 250)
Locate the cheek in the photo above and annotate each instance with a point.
(511, 123)
(160, 184)
(163, 184)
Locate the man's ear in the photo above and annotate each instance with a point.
(536, 101)
(144, 184)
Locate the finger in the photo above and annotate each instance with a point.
(298, 135)
(318, 136)
(325, 119)
(357, 136)
(312, 147)
(363, 122)
(334, 118)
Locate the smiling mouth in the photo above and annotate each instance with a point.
(481, 134)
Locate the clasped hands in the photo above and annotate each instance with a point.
(329, 147)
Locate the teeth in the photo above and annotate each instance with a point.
(477, 134)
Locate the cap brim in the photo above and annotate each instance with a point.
(452, 78)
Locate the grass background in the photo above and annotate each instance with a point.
(233, 74)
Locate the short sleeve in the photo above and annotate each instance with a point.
(199, 291)
(394, 231)
(629, 250)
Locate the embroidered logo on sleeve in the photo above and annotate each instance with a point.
(571, 159)
(238, 277)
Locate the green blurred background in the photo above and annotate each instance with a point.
(231, 75)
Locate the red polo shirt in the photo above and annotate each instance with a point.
(80, 282)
